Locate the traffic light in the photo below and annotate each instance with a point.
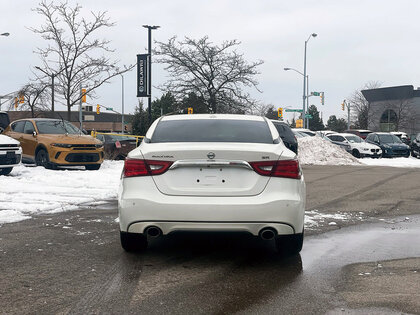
(98, 109)
(21, 99)
(84, 98)
(280, 112)
(190, 110)
(299, 123)
(16, 102)
(322, 98)
(342, 106)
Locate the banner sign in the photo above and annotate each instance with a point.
(142, 70)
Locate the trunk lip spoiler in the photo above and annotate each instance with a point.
(211, 163)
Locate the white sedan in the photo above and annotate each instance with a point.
(212, 172)
(10, 154)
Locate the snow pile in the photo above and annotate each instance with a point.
(35, 190)
(316, 151)
(394, 162)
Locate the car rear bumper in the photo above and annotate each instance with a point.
(280, 206)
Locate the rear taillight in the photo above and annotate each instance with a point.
(285, 168)
(118, 144)
(133, 167)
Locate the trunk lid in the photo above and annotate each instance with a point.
(210, 169)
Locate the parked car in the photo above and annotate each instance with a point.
(212, 173)
(362, 133)
(116, 147)
(358, 147)
(415, 146)
(299, 134)
(10, 154)
(53, 142)
(391, 145)
(405, 138)
(340, 141)
(287, 135)
(324, 133)
(306, 131)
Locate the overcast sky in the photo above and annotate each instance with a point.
(358, 41)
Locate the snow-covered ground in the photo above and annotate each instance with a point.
(35, 190)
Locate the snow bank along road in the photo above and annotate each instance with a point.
(71, 262)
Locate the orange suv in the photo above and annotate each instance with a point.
(54, 142)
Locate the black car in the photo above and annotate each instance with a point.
(415, 146)
(390, 144)
(286, 135)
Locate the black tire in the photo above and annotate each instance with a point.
(289, 244)
(42, 159)
(356, 153)
(5, 171)
(133, 242)
(93, 167)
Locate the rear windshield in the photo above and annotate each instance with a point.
(212, 130)
(112, 138)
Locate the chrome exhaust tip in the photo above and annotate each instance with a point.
(268, 234)
(153, 231)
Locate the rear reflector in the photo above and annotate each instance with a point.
(134, 167)
(285, 168)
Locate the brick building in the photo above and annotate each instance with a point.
(104, 122)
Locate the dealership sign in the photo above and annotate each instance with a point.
(142, 69)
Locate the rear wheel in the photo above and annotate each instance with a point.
(289, 244)
(5, 171)
(93, 167)
(356, 153)
(133, 242)
(42, 159)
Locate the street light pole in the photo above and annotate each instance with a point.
(149, 79)
(307, 99)
(304, 76)
(122, 104)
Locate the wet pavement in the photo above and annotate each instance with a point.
(72, 263)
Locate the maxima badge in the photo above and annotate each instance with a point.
(211, 155)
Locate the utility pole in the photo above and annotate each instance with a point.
(307, 100)
(122, 104)
(149, 79)
(80, 109)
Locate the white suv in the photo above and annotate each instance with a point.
(10, 150)
(357, 146)
(10, 154)
(212, 172)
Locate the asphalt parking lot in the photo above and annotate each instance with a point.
(72, 263)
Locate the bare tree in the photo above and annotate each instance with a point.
(78, 57)
(34, 97)
(360, 107)
(218, 74)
